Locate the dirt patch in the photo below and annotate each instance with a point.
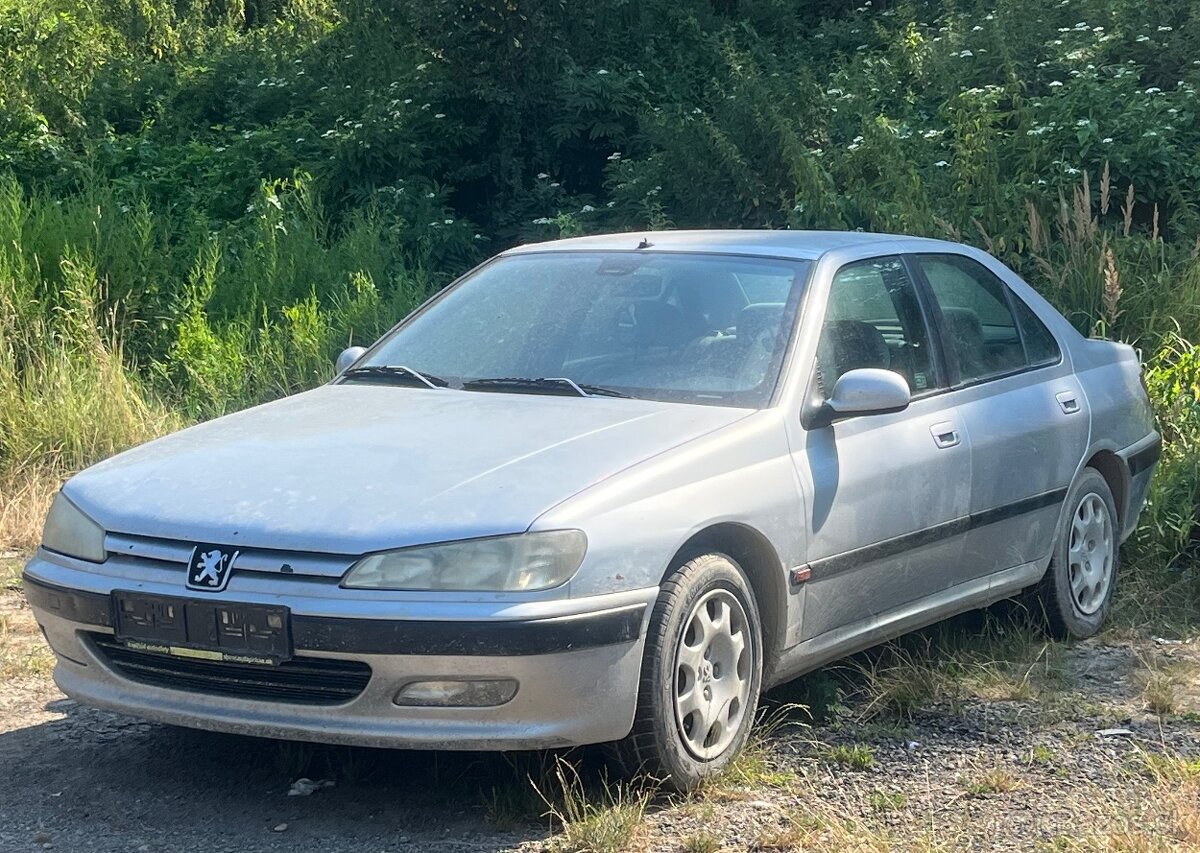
(1024, 771)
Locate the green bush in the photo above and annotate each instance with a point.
(203, 202)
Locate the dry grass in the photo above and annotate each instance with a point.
(818, 827)
(1160, 693)
(852, 756)
(992, 780)
(606, 820)
(1003, 660)
(700, 842)
(1163, 681)
(23, 652)
(25, 497)
(1176, 830)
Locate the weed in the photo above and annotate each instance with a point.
(604, 822)
(994, 780)
(700, 842)
(23, 652)
(1041, 754)
(754, 767)
(1160, 693)
(1170, 769)
(854, 756)
(885, 801)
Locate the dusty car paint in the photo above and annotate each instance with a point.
(860, 530)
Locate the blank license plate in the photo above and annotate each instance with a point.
(211, 630)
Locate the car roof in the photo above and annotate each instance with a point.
(807, 245)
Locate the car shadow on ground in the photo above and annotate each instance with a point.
(93, 780)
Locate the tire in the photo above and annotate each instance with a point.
(1076, 593)
(698, 694)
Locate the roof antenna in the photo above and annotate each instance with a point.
(645, 244)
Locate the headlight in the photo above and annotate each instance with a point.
(524, 562)
(68, 531)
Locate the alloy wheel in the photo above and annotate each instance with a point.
(713, 675)
(1090, 554)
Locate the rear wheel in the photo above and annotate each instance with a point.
(1077, 590)
(701, 675)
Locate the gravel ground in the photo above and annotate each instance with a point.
(990, 768)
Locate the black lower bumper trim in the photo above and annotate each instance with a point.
(1145, 458)
(344, 635)
(90, 608)
(487, 639)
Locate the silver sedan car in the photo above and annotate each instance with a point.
(608, 489)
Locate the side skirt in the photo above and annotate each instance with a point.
(841, 642)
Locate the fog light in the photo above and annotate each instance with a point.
(457, 694)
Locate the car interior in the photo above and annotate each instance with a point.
(693, 328)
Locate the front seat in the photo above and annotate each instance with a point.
(965, 331)
(658, 324)
(847, 345)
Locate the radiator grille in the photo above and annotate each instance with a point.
(302, 681)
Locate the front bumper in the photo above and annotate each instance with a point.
(576, 663)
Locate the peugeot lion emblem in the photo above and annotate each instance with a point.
(210, 567)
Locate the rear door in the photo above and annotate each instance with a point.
(889, 492)
(1020, 403)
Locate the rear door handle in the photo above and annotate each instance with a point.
(1067, 402)
(945, 435)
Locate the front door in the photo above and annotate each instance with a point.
(886, 495)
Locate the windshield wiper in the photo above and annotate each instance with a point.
(559, 385)
(396, 373)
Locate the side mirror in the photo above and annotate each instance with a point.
(868, 391)
(348, 357)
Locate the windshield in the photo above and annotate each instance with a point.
(692, 328)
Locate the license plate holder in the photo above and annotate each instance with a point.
(206, 629)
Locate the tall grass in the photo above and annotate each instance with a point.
(114, 330)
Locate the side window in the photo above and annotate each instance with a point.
(873, 319)
(1040, 346)
(977, 324)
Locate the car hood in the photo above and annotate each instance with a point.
(349, 469)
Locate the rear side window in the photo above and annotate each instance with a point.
(873, 319)
(979, 329)
(1040, 346)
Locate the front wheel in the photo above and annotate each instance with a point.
(1077, 590)
(701, 675)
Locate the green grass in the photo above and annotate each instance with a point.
(852, 756)
(992, 780)
(700, 842)
(884, 801)
(603, 818)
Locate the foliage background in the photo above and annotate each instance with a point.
(203, 201)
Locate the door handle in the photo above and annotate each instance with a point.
(945, 435)
(1067, 402)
